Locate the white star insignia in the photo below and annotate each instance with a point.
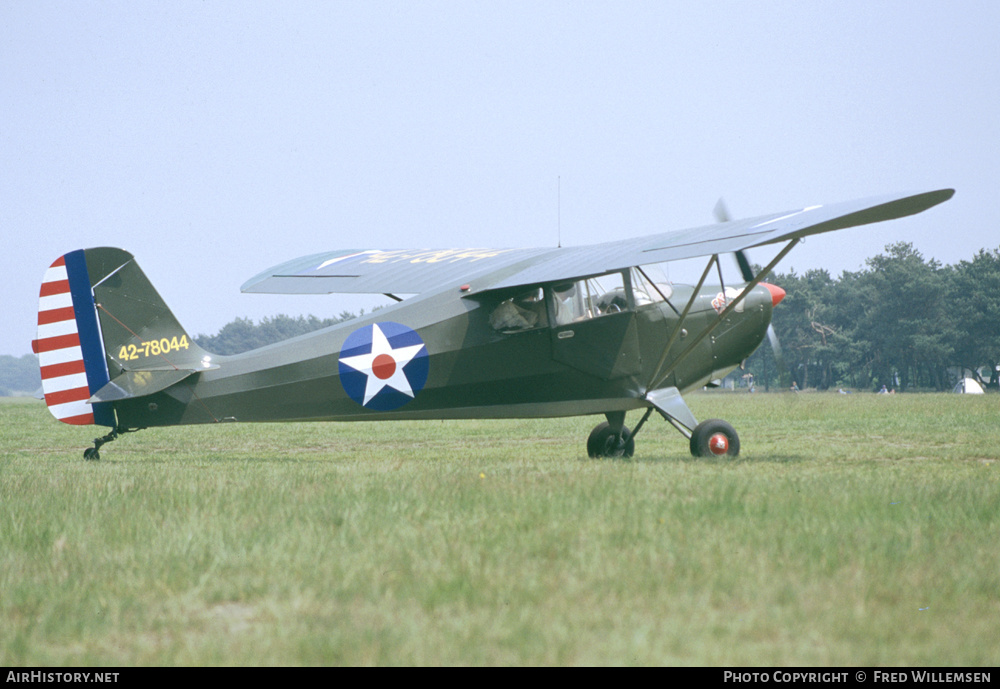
(384, 366)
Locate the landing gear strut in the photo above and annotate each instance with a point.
(93, 453)
(613, 438)
(711, 438)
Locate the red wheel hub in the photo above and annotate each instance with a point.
(718, 444)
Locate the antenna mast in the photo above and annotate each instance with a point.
(559, 210)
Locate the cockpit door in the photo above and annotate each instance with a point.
(593, 327)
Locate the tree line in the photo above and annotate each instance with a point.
(242, 334)
(903, 321)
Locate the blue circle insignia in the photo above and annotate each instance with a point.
(383, 366)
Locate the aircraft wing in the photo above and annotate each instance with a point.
(410, 271)
(400, 271)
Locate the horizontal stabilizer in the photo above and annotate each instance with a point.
(131, 384)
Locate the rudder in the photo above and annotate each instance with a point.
(69, 345)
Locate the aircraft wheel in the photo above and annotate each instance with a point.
(91, 454)
(715, 438)
(604, 442)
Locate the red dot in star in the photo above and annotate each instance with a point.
(384, 366)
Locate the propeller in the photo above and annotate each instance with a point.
(722, 215)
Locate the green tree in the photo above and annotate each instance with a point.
(892, 323)
(810, 337)
(974, 302)
(903, 324)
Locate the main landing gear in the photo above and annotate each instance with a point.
(604, 441)
(711, 438)
(613, 438)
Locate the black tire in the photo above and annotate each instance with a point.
(91, 454)
(604, 442)
(701, 439)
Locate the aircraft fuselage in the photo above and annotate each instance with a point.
(444, 358)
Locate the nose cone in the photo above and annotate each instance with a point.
(777, 294)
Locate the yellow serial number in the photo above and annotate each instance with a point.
(153, 348)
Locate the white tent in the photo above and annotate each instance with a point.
(968, 386)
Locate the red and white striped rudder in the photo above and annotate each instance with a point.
(69, 346)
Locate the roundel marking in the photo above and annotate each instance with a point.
(383, 366)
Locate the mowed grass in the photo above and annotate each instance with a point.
(853, 529)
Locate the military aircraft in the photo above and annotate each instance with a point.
(488, 333)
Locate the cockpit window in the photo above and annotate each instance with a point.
(649, 285)
(523, 311)
(590, 298)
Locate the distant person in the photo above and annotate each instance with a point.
(795, 386)
(883, 391)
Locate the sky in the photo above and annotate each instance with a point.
(215, 139)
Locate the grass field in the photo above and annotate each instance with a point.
(853, 530)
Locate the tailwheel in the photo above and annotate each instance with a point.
(604, 441)
(94, 453)
(714, 438)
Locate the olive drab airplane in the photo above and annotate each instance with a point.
(486, 333)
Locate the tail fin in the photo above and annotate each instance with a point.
(100, 320)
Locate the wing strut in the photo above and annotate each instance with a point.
(658, 378)
(680, 322)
